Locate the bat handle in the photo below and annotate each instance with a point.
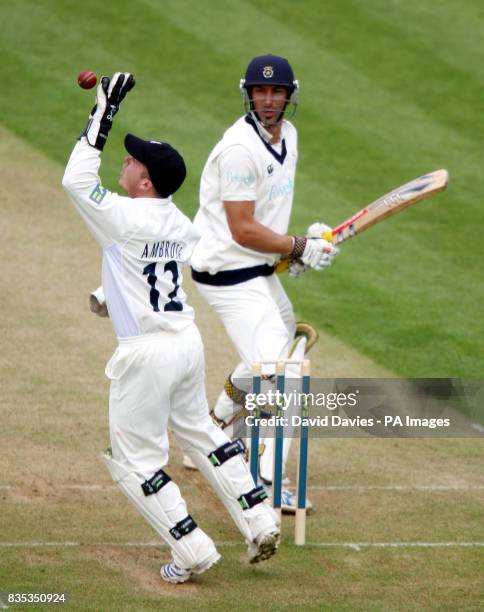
(282, 265)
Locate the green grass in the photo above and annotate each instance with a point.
(333, 578)
(389, 90)
(56, 537)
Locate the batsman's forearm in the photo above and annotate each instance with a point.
(260, 238)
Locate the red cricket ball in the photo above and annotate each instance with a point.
(87, 79)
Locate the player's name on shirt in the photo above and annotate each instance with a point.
(164, 249)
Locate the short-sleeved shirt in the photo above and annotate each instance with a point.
(243, 166)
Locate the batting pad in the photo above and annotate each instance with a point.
(231, 480)
(163, 510)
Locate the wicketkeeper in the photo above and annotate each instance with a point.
(157, 370)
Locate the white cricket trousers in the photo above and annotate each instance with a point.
(259, 319)
(157, 384)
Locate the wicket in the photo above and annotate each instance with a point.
(305, 371)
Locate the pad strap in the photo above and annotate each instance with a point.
(252, 498)
(155, 483)
(226, 451)
(183, 527)
(236, 395)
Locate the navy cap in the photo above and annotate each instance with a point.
(165, 165)
(270, 70)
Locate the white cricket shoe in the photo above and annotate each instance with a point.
(288, 499)
(289, 502)
(264, 547)
(171, 572)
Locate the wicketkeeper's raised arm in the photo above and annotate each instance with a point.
(81, 178)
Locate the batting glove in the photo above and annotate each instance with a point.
(316, 253)
(318, 230)
(296, 268)
(109, 95)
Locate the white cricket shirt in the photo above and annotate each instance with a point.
(244, 167)
(145, 242)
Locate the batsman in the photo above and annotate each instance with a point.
(246, 198)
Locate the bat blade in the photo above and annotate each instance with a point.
(389, 204)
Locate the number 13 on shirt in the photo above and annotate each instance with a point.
(170, 268)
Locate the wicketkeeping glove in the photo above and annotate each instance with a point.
(109, 95)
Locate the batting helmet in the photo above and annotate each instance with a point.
(269, 70)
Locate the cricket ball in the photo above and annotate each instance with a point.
(87, 79)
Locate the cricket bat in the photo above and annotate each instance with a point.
(386, 206)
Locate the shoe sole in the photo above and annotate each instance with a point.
(267, 547)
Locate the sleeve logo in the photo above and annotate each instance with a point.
(98, 193)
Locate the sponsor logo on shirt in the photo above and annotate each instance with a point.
(98, 193)
(270, 169)
(239, 179)
(281, 189)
